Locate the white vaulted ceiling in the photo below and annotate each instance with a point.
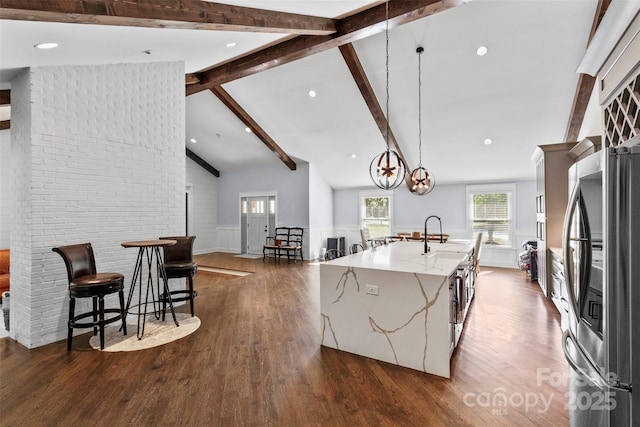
(519, 94)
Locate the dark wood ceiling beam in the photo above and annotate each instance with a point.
(366, 23)
(185, 14)
(240, 113)
(190, 79)
(579, 106)
(5, 97)
(203, 163)
(359, 76)
(585, 84)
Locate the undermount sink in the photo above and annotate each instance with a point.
(445, 256)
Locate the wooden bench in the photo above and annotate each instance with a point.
(287, 240)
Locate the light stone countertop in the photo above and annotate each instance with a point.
(408, 257)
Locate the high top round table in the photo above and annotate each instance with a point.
(146, 250)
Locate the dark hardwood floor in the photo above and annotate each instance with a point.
(257, 361)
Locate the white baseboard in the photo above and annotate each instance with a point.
(205, 251)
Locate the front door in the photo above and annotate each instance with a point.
(257, 224)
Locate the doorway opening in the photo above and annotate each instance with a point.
(188, 222)
(257, 221)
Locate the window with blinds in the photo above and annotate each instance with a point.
(491, 213)
(375, 213)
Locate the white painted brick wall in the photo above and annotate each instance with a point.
(102, 161)
(204, 206)
(20, 234)
(5, 187)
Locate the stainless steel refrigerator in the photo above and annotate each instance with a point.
(601, 247)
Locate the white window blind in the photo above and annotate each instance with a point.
(491, 213)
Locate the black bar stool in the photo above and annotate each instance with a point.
(178, 263)
(85, 282)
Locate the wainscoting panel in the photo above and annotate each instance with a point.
(228, 239)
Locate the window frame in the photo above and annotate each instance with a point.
(362, 208)
(510, 190)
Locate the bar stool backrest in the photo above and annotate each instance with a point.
(79, 260)
(182, 251)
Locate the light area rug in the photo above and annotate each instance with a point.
(156, 333)
(225, 271)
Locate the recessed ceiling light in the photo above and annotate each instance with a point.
(247, 129)
(482, 51)
(46, 45)
(353, 156)
(231, 44)
(312, 93)
(193, 140)
(488, 141)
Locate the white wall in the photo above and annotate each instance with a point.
(291, 187)
(97, 153)
(446, 201)
(526, 207)
(203, 199)
(320, 212)
(320, 199)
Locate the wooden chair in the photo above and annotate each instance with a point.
(273, 243)
(85, 282)
(287, 240)
(476, 253)
(365, 236)
(178, 263)
(367, 241)
(293, 247)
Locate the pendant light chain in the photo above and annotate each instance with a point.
(387, 170)
(420, 181)
(386, 3)
(420, 108)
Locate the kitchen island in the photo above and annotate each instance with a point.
(396, 304)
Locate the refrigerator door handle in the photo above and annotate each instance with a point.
(598, 380)
(573, 287)
(568, 256)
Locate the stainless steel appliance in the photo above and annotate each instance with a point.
(461, 292)
(602, 275)
(455, 328)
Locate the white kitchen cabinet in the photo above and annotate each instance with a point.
(552, 187)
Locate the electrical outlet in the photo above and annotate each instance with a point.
(372, 290)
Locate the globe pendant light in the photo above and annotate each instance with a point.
(387, 170)
(420, 182)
